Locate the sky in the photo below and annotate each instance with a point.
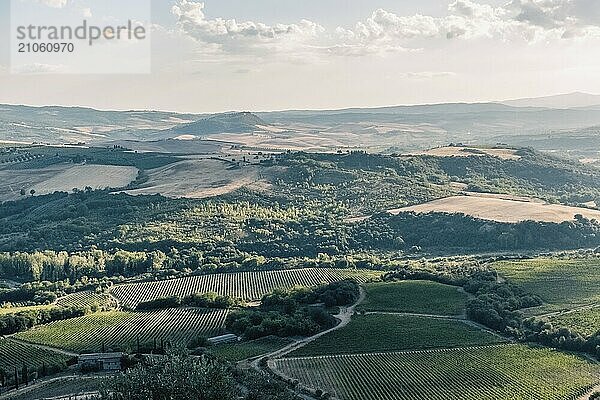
(222, 55)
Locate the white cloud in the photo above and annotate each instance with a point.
(231, 35)
(384, 32)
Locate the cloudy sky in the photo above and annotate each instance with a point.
(219, 55)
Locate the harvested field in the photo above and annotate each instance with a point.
(501, 210)
(64, 178)
(200, 178)
(504, 154)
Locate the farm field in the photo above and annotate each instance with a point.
(386, 332)
(561, 283)
(246, 285)
(502, 372)
(84, 299)
(586, 322)
(459, 151)
(501, 210)
(240, 351)
(63, 178)
(419, 297)
(200, 178)
(16, 354)
(121, 330)
(59, 388)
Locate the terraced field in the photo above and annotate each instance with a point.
(121, 330)
(503, 372)
(246, 285)
(420, 297)
(561, 283)
(384, 332)
(15, 354)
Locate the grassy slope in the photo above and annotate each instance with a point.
(382, 333)
(420, 297)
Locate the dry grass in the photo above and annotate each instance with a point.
(201, 178)
(502, 209)
(64, 178)
(504, 154)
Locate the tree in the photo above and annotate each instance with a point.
(32, 192)
(177, 376)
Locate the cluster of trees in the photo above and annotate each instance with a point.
(456, 231)
(295, 312)
(21, 321)
(201, 300)
(179, 376)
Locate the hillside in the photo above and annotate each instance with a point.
(238, 122)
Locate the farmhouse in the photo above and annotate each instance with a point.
(103, 361)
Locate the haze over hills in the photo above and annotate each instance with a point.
(545, 122)
(571, 100)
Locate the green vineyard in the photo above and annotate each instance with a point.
(501, 372)
(121, 330)
(246, 285)
(420, 297)
(84, 299)
(16, 354)
(382, 332)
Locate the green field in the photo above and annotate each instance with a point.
(382, 332)
(420, 297)
(505, 372)
(121, 330)
(240, 351)
(586, 322)
(15, 354)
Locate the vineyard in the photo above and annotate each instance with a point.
(85, 299)
(502, 372)
(562, 283)
(121, 330)
(246, 285)
(15, 354)
(61, 388)
(420, 297)
(585, 322)
(382, 332)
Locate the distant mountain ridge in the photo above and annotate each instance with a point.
(561, 101)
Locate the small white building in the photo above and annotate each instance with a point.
(103, 361)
